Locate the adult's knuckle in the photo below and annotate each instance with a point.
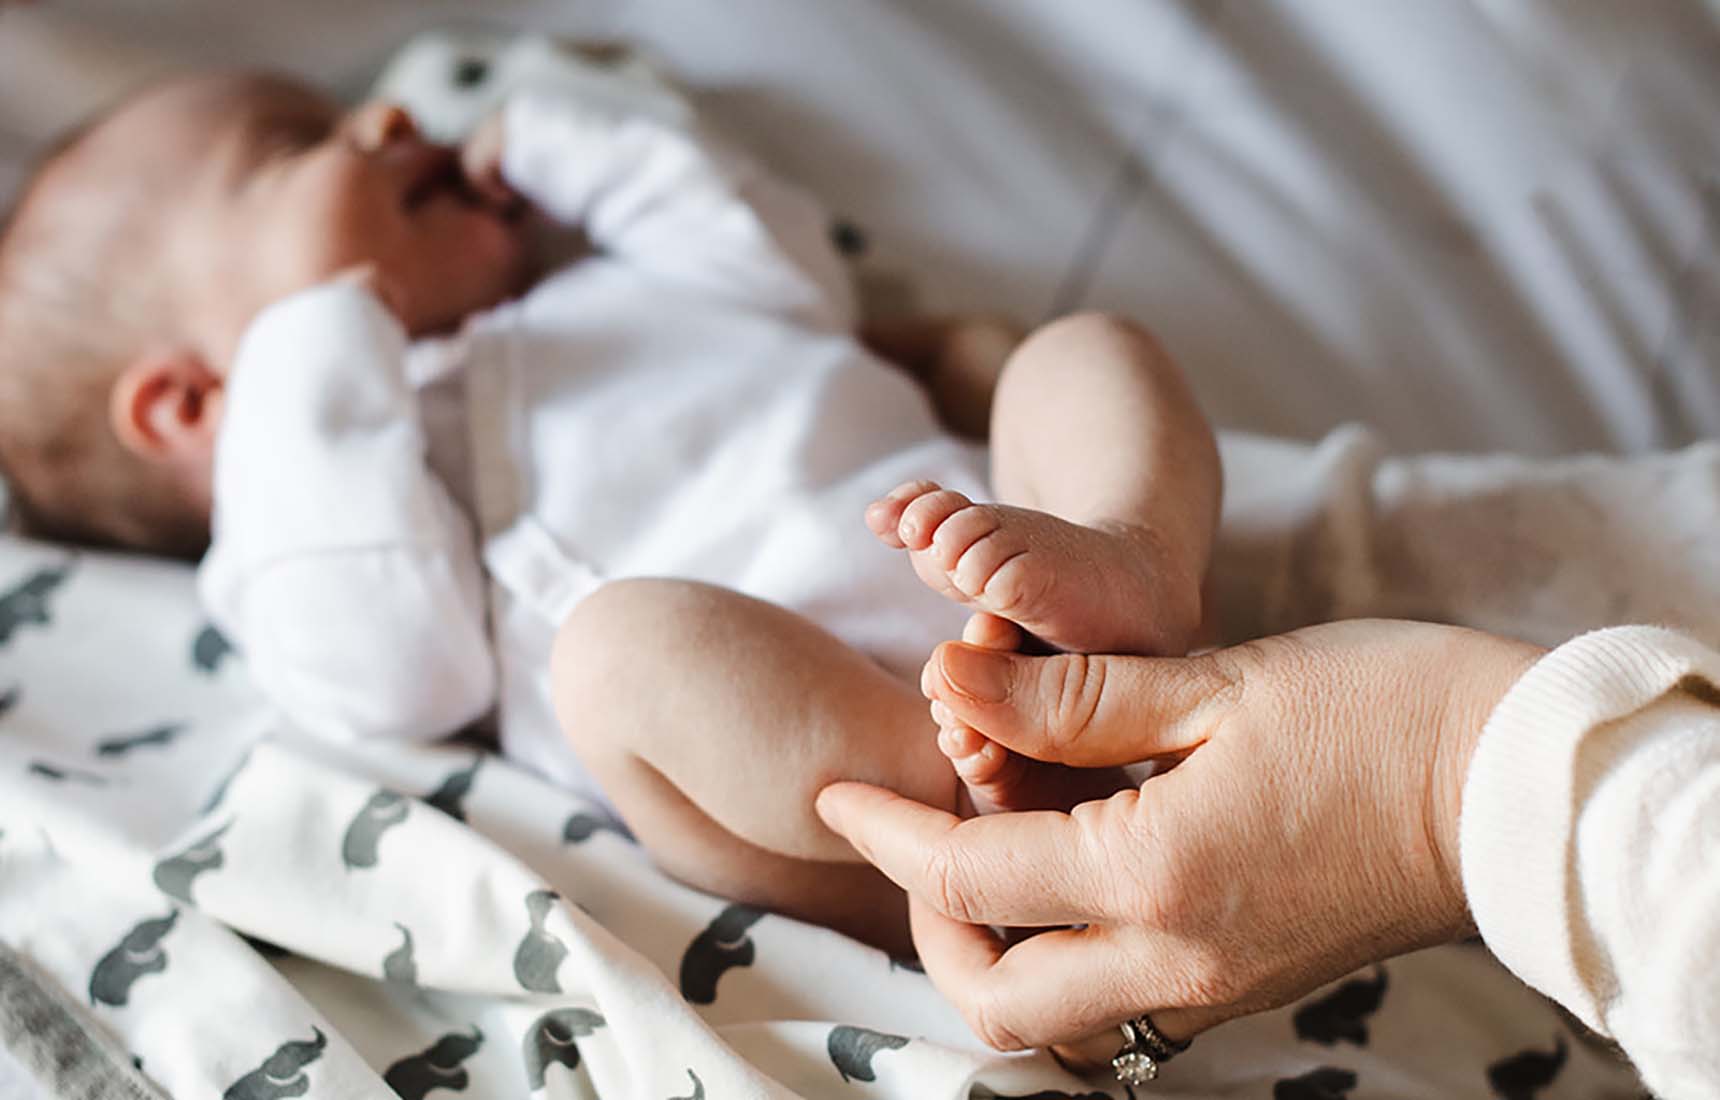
(1211, 977)
(1165, 892)
(1073, 685)
(948, 881)
(1162, 905)
(990, 1019)
(1108, 853)
(1262, 682)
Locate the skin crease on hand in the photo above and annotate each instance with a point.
(1308, 827)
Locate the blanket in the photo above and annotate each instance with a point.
(200, 903)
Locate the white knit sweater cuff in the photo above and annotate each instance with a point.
(1516, 834)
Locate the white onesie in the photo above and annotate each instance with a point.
(687, 402)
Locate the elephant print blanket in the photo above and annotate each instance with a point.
(196, 903)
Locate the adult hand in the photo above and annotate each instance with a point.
(1309, 828)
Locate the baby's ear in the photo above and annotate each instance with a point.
(166, 406)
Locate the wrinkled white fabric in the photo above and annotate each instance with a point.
(1590, 831)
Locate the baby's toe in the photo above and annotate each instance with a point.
(956, 738)
(988, 571)
(1007, 578)
(926, 513)
(884, 515)
(966, 533)
(988, 631)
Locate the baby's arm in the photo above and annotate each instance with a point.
(958, 360)
(672, 203)
(340, 567)
(1541, 549)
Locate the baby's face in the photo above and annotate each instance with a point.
(268, 188)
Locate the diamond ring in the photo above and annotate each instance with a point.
(1144, 1050)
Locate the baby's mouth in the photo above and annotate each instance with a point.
(440, 177)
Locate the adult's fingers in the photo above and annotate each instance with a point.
(1087, 712)
(1019, 869)
(1055, 987)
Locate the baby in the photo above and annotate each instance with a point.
(433, 486)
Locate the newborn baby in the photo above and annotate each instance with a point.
(237, 318)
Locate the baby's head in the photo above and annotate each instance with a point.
(145, 244)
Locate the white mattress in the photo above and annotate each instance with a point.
(1474, 226)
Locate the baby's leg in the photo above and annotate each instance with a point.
(713, 720)
(1110, 481)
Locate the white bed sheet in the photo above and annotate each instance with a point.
(1490, 225)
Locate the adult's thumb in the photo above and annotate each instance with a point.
(1084, 711)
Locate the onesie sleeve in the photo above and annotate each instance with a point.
(340, 567)
(1588, 837)
(678, 206)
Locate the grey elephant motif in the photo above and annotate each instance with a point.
(175, 874)
(1324, 1083)
(121, 745)
(852, 1049)
(451, 795)
(282, 1074)
(382, 812)
(1342, 1015)
(1525, 1076)
(220, 792)
(698, 1092)
(9, 699)
(399, 966)
(552, 1040)
(60, 773)
(437, 1067)
(29, 603)
(582, 826)
(722, 946)
(539, 954)
(138, 953)
(209, 649)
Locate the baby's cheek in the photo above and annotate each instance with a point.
(344, 218)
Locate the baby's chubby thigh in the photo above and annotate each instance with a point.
(676, 692)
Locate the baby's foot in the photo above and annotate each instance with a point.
(1100, 589)
(995, 779)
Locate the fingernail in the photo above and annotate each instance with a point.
(977, 674)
